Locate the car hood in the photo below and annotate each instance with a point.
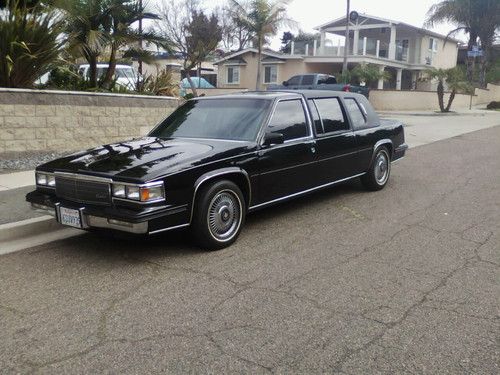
(147, 158)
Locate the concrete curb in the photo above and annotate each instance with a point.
(27, 228)
(32, 232)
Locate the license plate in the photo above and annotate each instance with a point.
(70, 217)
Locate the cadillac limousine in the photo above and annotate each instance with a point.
(215, 159)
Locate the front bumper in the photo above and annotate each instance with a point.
(143, 220)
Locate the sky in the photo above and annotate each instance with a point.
(312, 13)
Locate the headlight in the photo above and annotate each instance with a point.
(133, 192)
(51, 180)
(119, 191)
(41, 179)
(144, 193)
(45, 179)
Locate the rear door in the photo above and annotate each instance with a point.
(335, 140)
(288, 168)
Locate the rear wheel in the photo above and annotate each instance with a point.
(380, 169)
(219, 215)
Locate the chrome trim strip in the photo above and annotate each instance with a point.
(83, 177)
(382, 142)
(102, 222)
(158, 200)
(209, 175)
(169, 228)
(303, 192)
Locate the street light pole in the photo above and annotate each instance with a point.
(346, 44)
(140, 39)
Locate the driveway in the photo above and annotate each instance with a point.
(405, 280)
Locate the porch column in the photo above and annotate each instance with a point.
(315, 47)
(380, 84)
(322, 43)
(307, 49)
(292, 49)
(377, 50)
(355, 42)
(365, 39)
(338, 48)
(392, 44)
(414, 77)
(399, 74)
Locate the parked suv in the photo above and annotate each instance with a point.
(125, 75)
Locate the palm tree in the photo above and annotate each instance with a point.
(87, 25)
(263, 18)
(124, 13)
(478, 18)
(455, 81)
(29, 42)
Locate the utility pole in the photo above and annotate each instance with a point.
(346, 45)
(140, 39)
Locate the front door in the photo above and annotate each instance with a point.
(288, 168)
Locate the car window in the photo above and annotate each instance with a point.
(331, 115)
(315, 115)
(331, 80)
(357, 118)
(234, 119)
(294, 81)
(308, 79)
(322, 79)
(289, 119)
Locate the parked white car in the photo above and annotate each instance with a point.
(125, 75)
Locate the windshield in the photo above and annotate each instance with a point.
(233, 119)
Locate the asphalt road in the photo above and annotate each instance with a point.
(405, 280)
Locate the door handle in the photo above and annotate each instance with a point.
(312, 145)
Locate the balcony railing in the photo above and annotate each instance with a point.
(365, 47)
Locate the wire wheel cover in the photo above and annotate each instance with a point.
(381, 168)
(224, 215)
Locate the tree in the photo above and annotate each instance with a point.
(263, 19)
(87, 28)
(454, 79)
(302, 37)
(369, 73)
(30, 42)
(190, 32)
(235, 36)
(478, 18)
(122, 15)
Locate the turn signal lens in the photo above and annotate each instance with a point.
(151, 193)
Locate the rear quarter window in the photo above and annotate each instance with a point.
(358, 119)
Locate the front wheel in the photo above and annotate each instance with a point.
(219, 215)
(380, 169)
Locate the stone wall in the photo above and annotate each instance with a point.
(393, 100)
(43, 120)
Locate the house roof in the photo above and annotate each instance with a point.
(267, 53)
(341, 20)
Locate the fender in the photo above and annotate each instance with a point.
(217, 173)
(385, 141)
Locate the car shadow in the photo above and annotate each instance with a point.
(179, 243)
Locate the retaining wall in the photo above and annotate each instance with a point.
(39, 120)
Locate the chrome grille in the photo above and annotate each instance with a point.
(83, 191)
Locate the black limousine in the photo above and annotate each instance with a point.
(214, 159)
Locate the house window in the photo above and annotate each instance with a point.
(433, 46)
(233, 74)
(271, 74)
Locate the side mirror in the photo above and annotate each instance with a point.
(285, 83)
(273, 139)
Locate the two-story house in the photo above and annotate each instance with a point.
(403, 50)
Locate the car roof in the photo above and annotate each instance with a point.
(283, 94)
